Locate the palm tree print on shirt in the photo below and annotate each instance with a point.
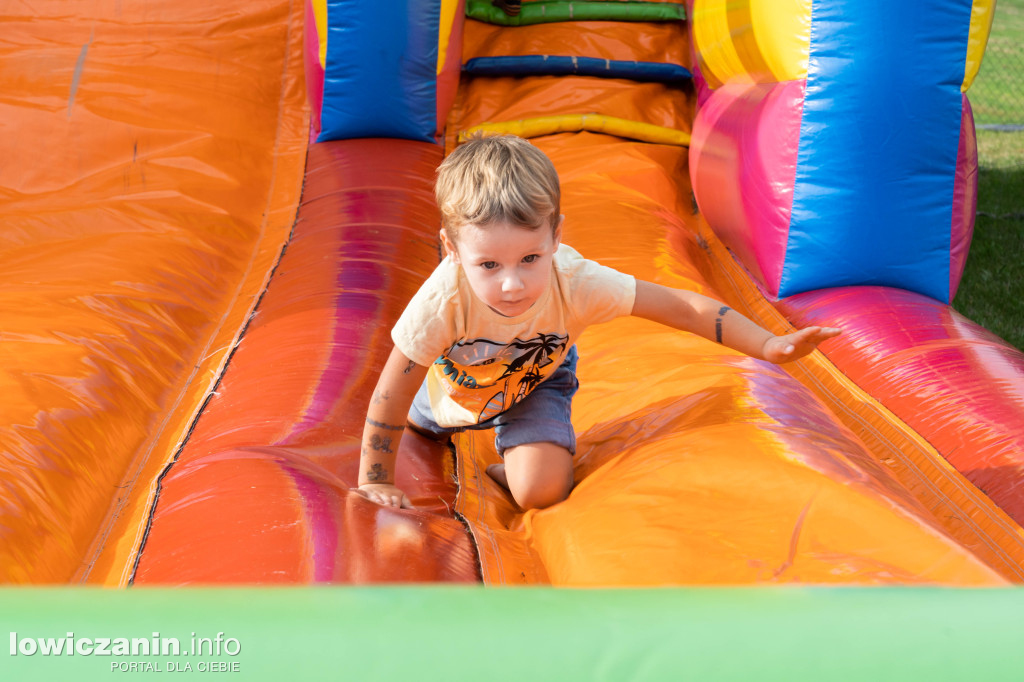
(516, 368)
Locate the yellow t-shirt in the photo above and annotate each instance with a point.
(482, 363)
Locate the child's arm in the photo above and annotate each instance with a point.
(714, 320)
(385, 423)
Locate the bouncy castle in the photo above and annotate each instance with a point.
(214, 214)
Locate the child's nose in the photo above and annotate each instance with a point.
(512, 282)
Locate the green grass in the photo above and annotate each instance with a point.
(992, 290)
(997, 94)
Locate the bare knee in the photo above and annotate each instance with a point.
(540, 498)
(539, 474)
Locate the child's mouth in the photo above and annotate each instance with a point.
(504, 306)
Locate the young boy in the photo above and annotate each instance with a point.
(487, 342)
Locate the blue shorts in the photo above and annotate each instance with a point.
(543, 416)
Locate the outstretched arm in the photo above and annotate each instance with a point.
(385, 424)
(693, 312)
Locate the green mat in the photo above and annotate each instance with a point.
(549, 11)
(478, 633)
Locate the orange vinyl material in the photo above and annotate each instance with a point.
(149, 180)
(964, 511)
(260, 492)
(695, 464)
(495, 100)
(147, 199)
(667, 42)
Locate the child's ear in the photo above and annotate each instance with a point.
(558, 231)
(449, 246)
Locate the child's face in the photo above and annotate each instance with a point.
(508, 267)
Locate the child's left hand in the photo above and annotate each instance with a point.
(790, 347)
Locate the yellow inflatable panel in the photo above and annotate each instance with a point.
(982, 12)
(781, 35)
(571, 123)
(320, 19)
(762, 41)
(448, 10)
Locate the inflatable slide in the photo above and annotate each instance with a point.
(213, 217)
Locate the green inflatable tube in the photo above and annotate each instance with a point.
(550, 11)
(478, 633)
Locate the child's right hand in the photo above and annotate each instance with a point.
(384, 494)
(790, 347)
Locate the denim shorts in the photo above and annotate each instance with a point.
(543, 416)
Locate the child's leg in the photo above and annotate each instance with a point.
(537, 474)
(537, 440)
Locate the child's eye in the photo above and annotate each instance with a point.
(532, 258)
(488, 265)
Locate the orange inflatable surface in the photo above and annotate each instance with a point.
(197, 304)
(695, 464)
(149, 183)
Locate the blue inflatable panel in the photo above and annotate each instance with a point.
(381, 74)
(551, 65)
(878, 146)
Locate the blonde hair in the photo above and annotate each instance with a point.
(500, 177)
